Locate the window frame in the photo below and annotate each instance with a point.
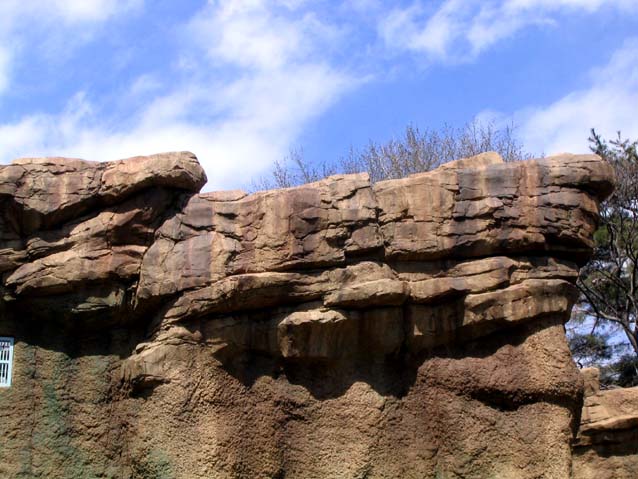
(8, 361)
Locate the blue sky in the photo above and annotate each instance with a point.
(241, 82)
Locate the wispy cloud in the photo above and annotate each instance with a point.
(4, 68)
(254, 74)
(14, 12)
(250, 33)
(459, 30)
(608, 104)
(40, 24)
(243, 79)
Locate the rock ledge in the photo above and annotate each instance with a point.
(408, 328)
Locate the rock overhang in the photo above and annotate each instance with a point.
(462, 276)
(343, 241)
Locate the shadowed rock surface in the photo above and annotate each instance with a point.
(607, 442)
(412, 328)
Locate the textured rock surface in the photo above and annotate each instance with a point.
(607, 442)
(411, 328)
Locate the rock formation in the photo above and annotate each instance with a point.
(607, 442)
(410, 328)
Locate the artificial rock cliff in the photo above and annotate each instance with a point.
(606, 446)
(408, 329)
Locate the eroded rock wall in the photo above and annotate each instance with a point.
(410, 328)
(607, 443)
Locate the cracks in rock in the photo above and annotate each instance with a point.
(504, 401)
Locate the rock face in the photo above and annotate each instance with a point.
(412, 328)
(607, 442)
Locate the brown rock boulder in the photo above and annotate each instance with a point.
(607, 443)
(411, 328)
(81, 228)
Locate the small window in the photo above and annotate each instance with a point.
(6, 361)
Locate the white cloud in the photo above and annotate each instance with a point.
(252, 74)
(243, 33)
(145, 84)
(459, 30)
(90, 10)
(406, 29)
(5, 59)
(609, 104)
(22, 21)
(248, 33)
(263, 77)
(19, 12)
(261, 117)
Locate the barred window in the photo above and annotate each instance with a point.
(6, 361)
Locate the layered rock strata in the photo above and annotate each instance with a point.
(410, 328)
(607, 443)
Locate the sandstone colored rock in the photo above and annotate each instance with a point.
(410, 328)
(607, 443)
